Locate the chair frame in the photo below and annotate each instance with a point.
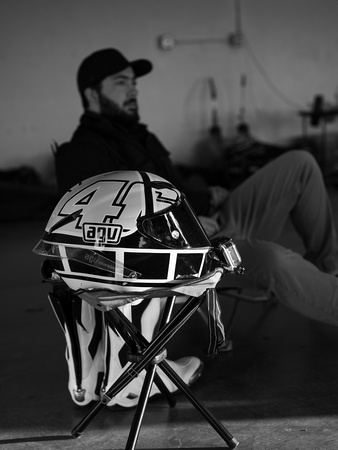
(148, 355)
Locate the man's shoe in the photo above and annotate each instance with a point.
(189, 368)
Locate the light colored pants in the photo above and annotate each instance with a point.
(254, 216)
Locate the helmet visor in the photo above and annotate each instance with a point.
(176, 227)
(84, 256)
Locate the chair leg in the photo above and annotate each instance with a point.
(216, 424)
(141, 407)
(152, 354)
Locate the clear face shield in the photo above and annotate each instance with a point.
(88, 257)
(176, 228)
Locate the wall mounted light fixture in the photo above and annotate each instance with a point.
(168, 41)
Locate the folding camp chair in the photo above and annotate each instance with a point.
(150, 355)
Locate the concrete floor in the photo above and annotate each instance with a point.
(277, 389)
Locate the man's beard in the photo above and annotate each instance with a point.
(115, 113)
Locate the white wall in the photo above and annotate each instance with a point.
(42, 42)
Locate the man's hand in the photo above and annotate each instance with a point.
(209, 224)
(218, 195)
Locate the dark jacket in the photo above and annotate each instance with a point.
(99, 146)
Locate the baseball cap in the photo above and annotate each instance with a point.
(102, 63)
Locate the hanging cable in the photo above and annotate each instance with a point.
(266, 77)
(254, 59)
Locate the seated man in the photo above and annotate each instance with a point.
(111, 137)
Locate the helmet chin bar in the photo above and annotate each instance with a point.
(227, 254)
(225, 257)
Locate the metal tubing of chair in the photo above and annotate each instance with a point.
(140, 409)
(184, 313)
(126, 327)
(163, 336)
(168, 309)
(155, 346)
(78, 429)
(215, 423)
(165, 391)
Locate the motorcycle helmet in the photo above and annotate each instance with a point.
(124, 231)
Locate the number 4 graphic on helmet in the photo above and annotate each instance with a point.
(111, 194)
